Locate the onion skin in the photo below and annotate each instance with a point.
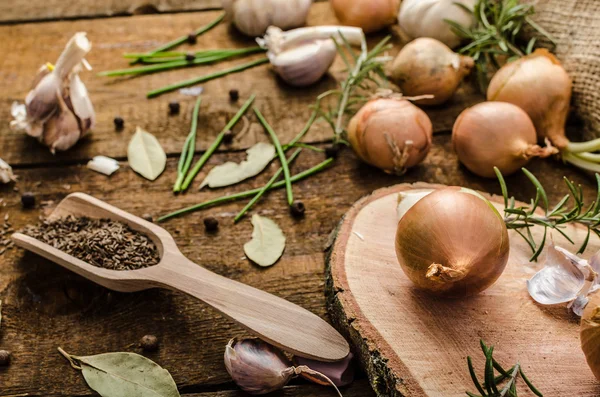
(452, 242)
(380, 130)
(496, 134)
(538, 84)
(370, 15)
(428, 66)
(590, 334)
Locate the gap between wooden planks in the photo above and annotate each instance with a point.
(27, 46)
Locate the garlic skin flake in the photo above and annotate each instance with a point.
(253, 17)
(565, 278)
(6, 174)
(58, 110)
(425, 18)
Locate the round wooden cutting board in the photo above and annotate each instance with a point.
(414, 344)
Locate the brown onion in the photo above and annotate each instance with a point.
(590, 334)
(538, 84)
(496, 134)
(370, 15)
(428, 66)
(391, 134)
(452, 242)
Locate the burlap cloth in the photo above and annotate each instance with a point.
(575, 25)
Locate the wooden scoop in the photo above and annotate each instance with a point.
(273, 319)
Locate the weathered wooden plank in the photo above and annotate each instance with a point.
(27, 46)
(46, 306)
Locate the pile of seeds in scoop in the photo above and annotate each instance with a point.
(99, 242)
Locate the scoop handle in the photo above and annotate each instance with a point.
(273, 319)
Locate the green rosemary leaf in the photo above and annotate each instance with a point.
(540, 248)
(561, 205)
(474, 378)
(531, 244)
(529, 384)
(530, 45)
(538, 185)
(489, 373)
(463, 6)
(348, 48)
(341, 53)
(573, 190)
(585, 242)
(516, 211)
(597, 207)
(558, 229)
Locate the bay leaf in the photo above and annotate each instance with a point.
(229, 173)
(145, 155)
(267, 244)
(126, 375)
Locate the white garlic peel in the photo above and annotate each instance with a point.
(565, 278)
(104, 165)
(253, 17)
(58, 110)
(426, 18)
(303, 56)
(6, 174)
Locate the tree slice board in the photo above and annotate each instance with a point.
(413, 344)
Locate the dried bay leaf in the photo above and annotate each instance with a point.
(145, 155)
(259, 156)
(267, 244)
(124, 375)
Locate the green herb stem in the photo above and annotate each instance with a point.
(178, 63)
(183, 39)
(579, 147)
(265, 188)
(280, 154)
(179, 54)
(189, 147)
(204, 158)
(248, 193)
(207, 77)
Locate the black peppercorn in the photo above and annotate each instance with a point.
(228, 136)
(298, 209)
(149, 343)
(28, 200)
(211, 224)
(234, 95)
(147, 217)
(190, 57)
(4, 358)
(192, 39)
(119, 123)
(174, 107)
(332, 151)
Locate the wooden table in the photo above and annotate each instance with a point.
(45, 306)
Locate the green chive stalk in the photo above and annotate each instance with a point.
(189, 147)
(280, 154)
(207, 77)
(248, 193)
(265, 188)
(183, 39)
(200, 163)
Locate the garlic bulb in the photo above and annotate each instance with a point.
(6, 174)
(58, 110)
(253, 17)
(590, 334)
(302, 56)
(426, 18)
(370, 15)
(390, 134)
(427, 66)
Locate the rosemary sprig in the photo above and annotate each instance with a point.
(280, 154)
(202, 79)
(182, 39)
(180, 61)
(200, 163)
(492, 387)
(189, 147)
(248, 193)
(539, 213)
(496, 35)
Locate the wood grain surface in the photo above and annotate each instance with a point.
(422, 340)
(27, 46)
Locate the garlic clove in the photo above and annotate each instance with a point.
(560, 280)
(82, 105)
(6, 173)
(305, 64)
(62, 131)
(104, 165)
(257, 367)
(276, 40)
(41, 101)
(73, 54)
(339, 373)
